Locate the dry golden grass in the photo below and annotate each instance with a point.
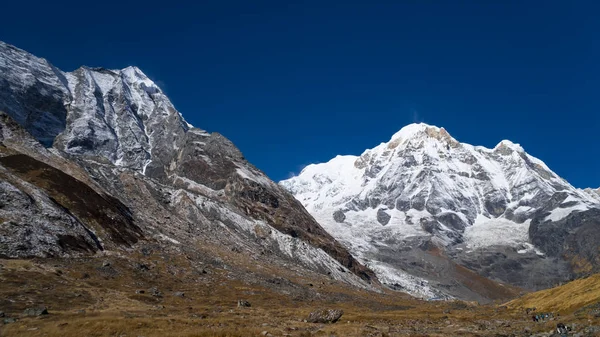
(564, 299)
(85, 300)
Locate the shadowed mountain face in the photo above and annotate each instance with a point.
(499, 212)
(100, 160)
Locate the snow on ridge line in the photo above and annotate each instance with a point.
(339, 161)
(411, 129)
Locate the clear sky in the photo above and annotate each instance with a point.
(293, 83)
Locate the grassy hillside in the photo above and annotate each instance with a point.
(562, 299)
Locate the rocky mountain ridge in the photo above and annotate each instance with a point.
(99, 160)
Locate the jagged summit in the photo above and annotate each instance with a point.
(410, 130)
(120, 115)
(507, 144)
(416, 129)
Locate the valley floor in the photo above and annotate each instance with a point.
(172, 296)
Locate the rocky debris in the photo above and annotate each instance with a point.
(9, 320)
(179, 294)
(155, 292)
(35, 311)
(105, 264)
(589, 331)
(325, 316)
(530, 310)
(243, 304)
(266, 333)
(1, 314)
(142, 267)
(139, 291)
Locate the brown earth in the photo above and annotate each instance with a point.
(112, 295)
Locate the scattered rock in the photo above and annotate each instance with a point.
(179, 294)
(35, 311)
(592, 330)
(325, 316)
(140, 291)
(1, 314)
(382, 217)
(243, 304)
(105, 264)
(142, 267)
(155, 292)
(9, 320)
(339, 216)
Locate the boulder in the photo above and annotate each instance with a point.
(155, 292)
(325, 316)
(243, 304)
(382, 217)
(339, 216)
(35, 311)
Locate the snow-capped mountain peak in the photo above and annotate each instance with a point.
(507, 144)
(425, 184)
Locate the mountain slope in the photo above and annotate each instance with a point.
(496, 211)
(565, 298)
(99, 160)
(594, 193)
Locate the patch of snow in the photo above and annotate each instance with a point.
(166, 238)
(524, 209)
(487, 232)
(247, 174)
(396, 278)
(561, 213)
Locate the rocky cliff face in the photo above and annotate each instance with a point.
(408, 205)
(99, 159)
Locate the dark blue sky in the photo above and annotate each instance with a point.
(293, 83)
